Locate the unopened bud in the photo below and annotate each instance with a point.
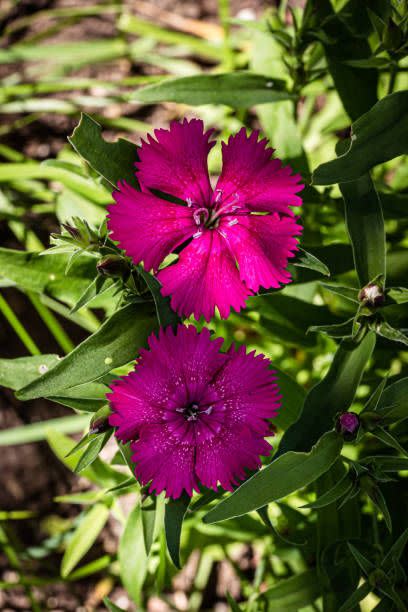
(113, 266)
(72, 231)
(348, 425)
(372, 295)
(99, 426)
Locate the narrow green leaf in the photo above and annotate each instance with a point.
(357, 596)
(348, 293)
(392, 403)
(232, 603)
(365, 225)
(111, 606)
(378, 499)
(114, 344)
(341, 330)
(292, 402)
(132, 554)
(83, 538)
(365, 564)
(395, 552)
(379, 135)
(398, 294)
(333, 394)
(339, 490)
(35, 432)
(92, 451)
(31, 272)
(294, 593)
(16, 373)
(165, 315)
(114, 161)
(175, 511)
(387, 463)
(283, 476)
(307, 260)
(241, 89)
(388, 439)
(385, 330)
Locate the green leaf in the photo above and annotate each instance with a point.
(84, 186)
(294, 593)
(389, 440)
(395, 552)
(293, 398)
(387, 463)
(365, 564)
(288, 318)
(115, 161)
(165, 315)
(392, 403)
(83, 538)
(356, 86)
(339, 490)
(99, 472)
(16, 373)
(283, 476)
(357, 596)
(35, 432)
(378, 499)
(365, 225)
(379, 135)
(111, 606)
(132, 554)
(333, 394)
(175, 511)
(398, 294)
(232, 603)
(113, 345)
(348, 293)
(92, 451)
(341, 330)
(31, 272)
(240, 89)
(307, 260)
(385, 330)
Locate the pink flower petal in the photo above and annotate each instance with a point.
(147, 227)
(176, 162)
(205, 277)
(131, 406)
(262, 245)
(261, 183)
(163, 459)
(247, 389)
(227, 457)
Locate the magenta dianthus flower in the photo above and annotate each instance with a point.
(194, 415)
(228, 250)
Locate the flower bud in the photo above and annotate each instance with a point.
(372, 295)
(113, 266)
(72, 231)
(348, 425)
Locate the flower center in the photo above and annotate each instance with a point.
(201, 215)
(191, 412)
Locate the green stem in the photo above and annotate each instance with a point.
(393, 76)
(52, 323)
(18, 327)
